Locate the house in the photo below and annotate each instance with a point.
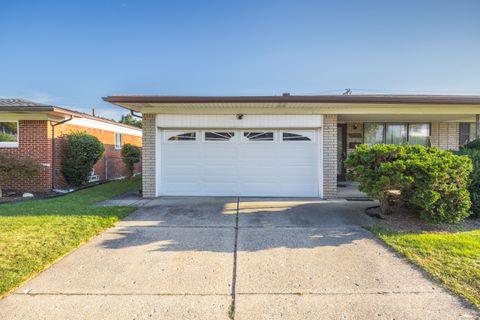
(290, 146)
(36, 131)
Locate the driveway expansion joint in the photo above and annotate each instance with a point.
(335, 293)
(119, 294)
(231, 311)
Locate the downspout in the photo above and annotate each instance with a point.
(54, 147)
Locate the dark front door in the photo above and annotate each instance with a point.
(341, 150)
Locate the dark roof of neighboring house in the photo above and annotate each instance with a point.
(21, 103)
(24, 105)
(388, 99)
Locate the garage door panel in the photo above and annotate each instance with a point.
(239, 167)
(177, 188)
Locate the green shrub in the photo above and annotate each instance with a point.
(82, 151)
(474, 144)
(130, 154)
(12, 168)
(432, 182)
(474, 181)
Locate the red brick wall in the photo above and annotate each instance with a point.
(33, 144)
(112, 157)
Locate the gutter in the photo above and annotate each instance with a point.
(54, 147)
(135, 115)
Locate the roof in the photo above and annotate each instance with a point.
(20, 103)
(25, 106)
(371, 99)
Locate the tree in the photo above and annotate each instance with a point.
(130, 120)
(12, 168)
(82, 152)
(130, 154)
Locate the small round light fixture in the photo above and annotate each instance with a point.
(239, 116)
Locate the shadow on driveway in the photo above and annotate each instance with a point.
(168, 221)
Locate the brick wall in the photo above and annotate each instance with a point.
(149, 159)
(109, 167)
(329, 153)
(34, 144)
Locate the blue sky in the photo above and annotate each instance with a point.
(71, 53)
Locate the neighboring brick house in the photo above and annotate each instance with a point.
(286, 145)
(35, 131)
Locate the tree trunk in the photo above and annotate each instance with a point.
(385, 204)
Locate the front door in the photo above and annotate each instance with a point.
(341, 150)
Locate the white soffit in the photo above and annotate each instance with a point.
(89, 123)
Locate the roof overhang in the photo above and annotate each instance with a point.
(52, 113)
(342, 105)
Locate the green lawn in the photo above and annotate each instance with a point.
(34, 234)
(453, 259)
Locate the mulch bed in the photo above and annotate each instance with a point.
(403, 220)
(16, 197)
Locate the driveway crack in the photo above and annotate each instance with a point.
(231, 309)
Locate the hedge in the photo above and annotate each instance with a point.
(431, 182)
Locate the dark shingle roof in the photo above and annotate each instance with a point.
(20, 103)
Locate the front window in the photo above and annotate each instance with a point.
(396, 133)
(374, 133)
(8, 133)
(118, 141)
(468, 132)
(418, 133)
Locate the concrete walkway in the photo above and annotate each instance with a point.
(192, 258)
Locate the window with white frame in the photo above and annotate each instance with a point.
(258, 136)
(219, 135)
(396, 133)
(8, 133)
(181, 136)
(118, 140)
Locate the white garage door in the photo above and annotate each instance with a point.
(239, 162)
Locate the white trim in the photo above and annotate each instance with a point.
(231, 121)
(89, 123)
(320, 161)
(11, 144)
(158, 160)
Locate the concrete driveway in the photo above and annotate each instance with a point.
(192, 258)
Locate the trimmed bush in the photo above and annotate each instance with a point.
(12, 168)
(474, 181)
(130, 154)
(81, 153)
(432, 182)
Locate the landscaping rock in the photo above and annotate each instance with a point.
(28, 195)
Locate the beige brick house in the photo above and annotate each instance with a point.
(291, 146)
